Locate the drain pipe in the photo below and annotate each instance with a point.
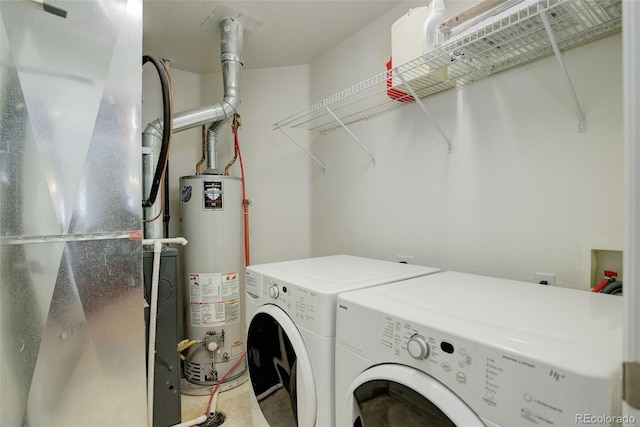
(231, 40)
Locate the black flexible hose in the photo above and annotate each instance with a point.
(614, 288)
(166, 129)
(166, 215)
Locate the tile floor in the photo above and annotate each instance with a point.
(233, 403)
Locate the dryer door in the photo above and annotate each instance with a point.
(280, 369)
(387, 395)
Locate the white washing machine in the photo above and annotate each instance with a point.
(454, 349)
(291, 308)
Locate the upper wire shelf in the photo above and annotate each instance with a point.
(505, 43)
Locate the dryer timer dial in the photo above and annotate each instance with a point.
(274, 292)
(418, 347)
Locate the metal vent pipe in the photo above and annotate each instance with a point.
(231, 40)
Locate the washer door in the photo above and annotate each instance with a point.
(387, 395)
(280, 369)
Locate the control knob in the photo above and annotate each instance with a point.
(418, 347)
(274, 292)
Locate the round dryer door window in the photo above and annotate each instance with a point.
(396, 395)
(280, 369)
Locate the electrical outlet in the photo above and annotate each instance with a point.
(545, 279)
(405, 259)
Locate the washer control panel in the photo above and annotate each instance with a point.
(418, 347)
(492, 374)
(447, 358)
(514, 389)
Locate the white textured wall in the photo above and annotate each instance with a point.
(277, 172)
(522, 192)
(277, 175)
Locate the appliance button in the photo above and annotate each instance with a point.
(461, 377)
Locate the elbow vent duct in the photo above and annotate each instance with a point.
(231, 37)
(217, 114)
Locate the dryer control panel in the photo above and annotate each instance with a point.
(307, 308)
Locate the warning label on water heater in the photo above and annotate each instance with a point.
(214, 298)
(212, 195)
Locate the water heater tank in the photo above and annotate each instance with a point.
(211, 216)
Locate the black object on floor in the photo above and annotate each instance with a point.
(215, 420)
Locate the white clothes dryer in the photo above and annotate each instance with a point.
(454, 349)
(290, 309)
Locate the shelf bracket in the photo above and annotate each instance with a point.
(424, 108)
(324, 169)
(373, 159)
(582, 121)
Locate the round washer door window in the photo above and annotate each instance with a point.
(389, 395)
(280, 369)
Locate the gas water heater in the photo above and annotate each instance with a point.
(211, 215)
(212, 221)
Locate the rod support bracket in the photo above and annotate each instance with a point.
(424, 109)
(582, 122)
(311, 156)
(355, 138)
(582, 125)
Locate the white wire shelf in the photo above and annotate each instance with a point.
(505, 43)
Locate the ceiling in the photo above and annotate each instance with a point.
(284, 33)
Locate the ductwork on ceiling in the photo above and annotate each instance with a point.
(231, 36)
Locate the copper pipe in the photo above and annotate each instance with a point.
(235, 126)
(231, 162)
(204, 149)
